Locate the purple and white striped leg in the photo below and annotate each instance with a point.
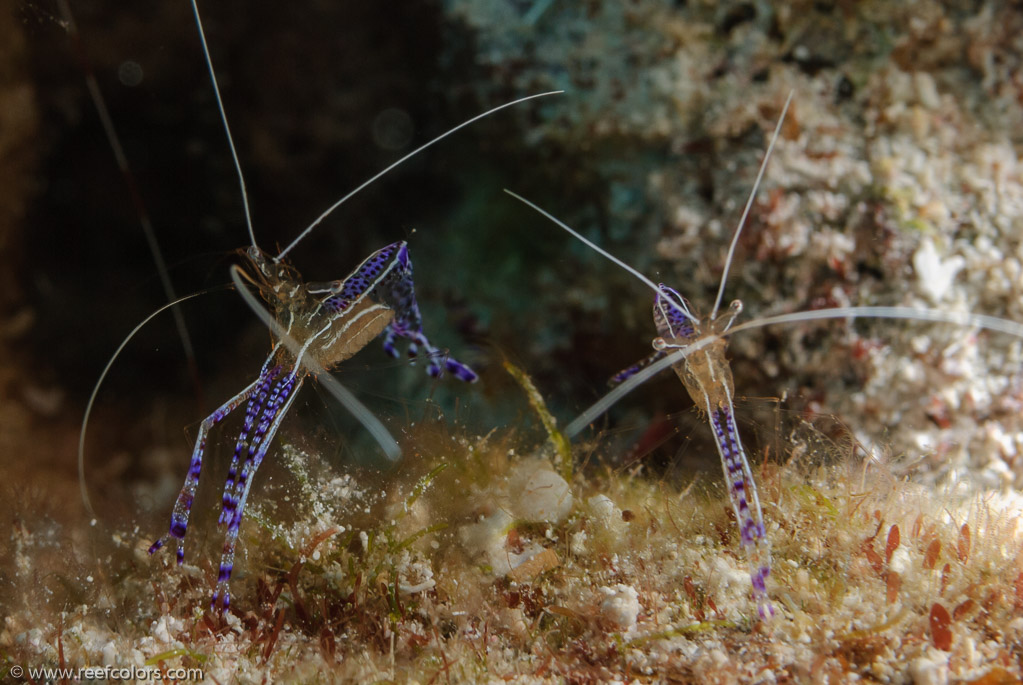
(281, 396)
(398, 292)
(742, 491)
(386, 275)
(183, 505)
(266, 407)
(436, 357)
(622, 375)
(266, 378)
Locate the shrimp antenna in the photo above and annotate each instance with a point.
(631, 383)
(991, 323)
(371, 423)
(680, 307)
(95, 391)
(227, 126)
(749, 205)
(402, 160)
(985, 321)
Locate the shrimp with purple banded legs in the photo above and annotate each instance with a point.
(316, 327)
(695, 349)
(707, 377)
(319, 326)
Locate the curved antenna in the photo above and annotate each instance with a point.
(631, 383)
(679, 307)
(95, 391)
(227, 127)
(991, 323)
(749, 205)
(364, 416)
(316, 222)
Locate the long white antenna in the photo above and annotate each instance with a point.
(679, 307)
(227, 127)
(991, 323)
(749, 205)
(630, 384)
(95, 391)
(415, 152)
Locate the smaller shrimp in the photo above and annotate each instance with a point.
(695, 349)
(707, 377)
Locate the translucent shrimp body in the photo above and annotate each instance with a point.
(697, 352)
(318, 326)
(707, 377)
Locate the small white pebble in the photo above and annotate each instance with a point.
(163, 629)
(578, 543)
(901, 560)
(930, 670)
(110, 653)
(537, 493)
(926, 90)
(620, 606)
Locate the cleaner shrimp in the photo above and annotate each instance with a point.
(695, 349)
(316, 326)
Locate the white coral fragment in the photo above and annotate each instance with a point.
(620, 607)
(537, 493)
(935, 274)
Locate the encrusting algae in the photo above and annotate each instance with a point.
(476, 561)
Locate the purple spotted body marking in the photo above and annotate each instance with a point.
(671, 323)
(331, 322)
(407, 322)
